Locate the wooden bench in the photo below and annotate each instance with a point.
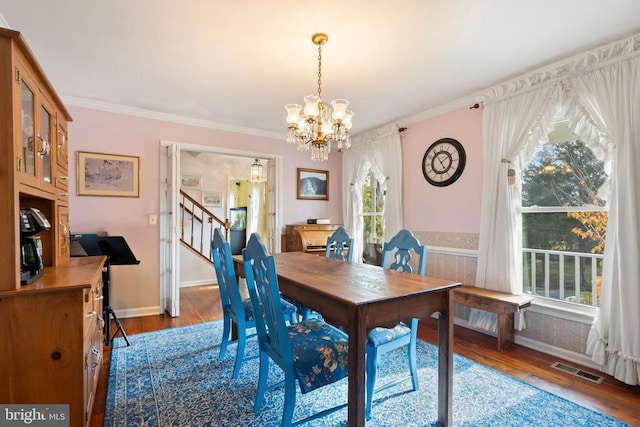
(503, 304)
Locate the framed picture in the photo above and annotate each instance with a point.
(313, 184)
(191, 181)
(101, 174)
(212, 198)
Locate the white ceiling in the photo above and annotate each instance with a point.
(234, 64)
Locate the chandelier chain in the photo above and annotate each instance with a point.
(319, 71)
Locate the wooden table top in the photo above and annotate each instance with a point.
(353, 283)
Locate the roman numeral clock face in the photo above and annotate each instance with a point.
(443, 162)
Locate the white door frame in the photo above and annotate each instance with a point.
(169, 237)
(169, 230)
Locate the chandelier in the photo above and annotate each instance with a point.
(256, 171)
(317, 126)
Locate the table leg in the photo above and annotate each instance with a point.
(445, 360)
(356, 378)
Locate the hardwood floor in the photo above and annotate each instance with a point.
(621, 401)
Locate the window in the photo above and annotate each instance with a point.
(564, 222)
(373, 219)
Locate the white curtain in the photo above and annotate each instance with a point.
(380, 151)
(612, 97)
(600, 92)
(506, 125)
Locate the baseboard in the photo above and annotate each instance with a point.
(139, 312)
(561, 353)
(571, 356)
(197, 283)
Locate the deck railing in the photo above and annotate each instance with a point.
(568, 276)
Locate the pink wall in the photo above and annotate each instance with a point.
(103, 132)
(455, 208)
(135, 289)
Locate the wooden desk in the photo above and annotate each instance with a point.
(360, 297)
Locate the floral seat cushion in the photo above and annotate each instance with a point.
(287, 309)
(320, 353)
(379, 336)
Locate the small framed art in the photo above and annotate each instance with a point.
(100, 174)
(212, 199)
(313, 184)
(191, 181)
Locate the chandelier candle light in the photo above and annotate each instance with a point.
(317, 126)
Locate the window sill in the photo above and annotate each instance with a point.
(563, 310)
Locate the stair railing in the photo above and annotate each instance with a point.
(198, 224)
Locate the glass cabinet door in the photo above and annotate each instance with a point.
(28, 131)
(36, 154)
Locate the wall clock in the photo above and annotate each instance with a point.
(443, 162)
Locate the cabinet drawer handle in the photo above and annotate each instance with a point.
(63, 228)
(61, 178)
(63, 139)
(96, 357)
(91, 314)
(101, 297)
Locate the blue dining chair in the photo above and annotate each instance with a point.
(234, 309)
(382, 340)
(340, 245)
(311, 353)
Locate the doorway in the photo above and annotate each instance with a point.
(170, 224)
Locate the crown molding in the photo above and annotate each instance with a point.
(624, 49)
(467, 101)
(603, 55)
(166, 117)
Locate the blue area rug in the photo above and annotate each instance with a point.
(173, 377)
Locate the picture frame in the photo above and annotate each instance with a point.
(312, 184)
(111, 175)
(212, 199)
(190, 181)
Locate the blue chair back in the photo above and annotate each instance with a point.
(226, 274)
(262, 281)
(338, 244)
(381, 340)
(401, 246)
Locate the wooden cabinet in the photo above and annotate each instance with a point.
(308, 237)
(52, 338)
(34, 164)
(50, 330)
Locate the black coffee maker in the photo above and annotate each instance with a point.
(32, 222)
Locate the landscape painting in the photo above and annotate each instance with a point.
(313, 184)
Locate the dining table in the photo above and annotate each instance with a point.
(360, 297)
